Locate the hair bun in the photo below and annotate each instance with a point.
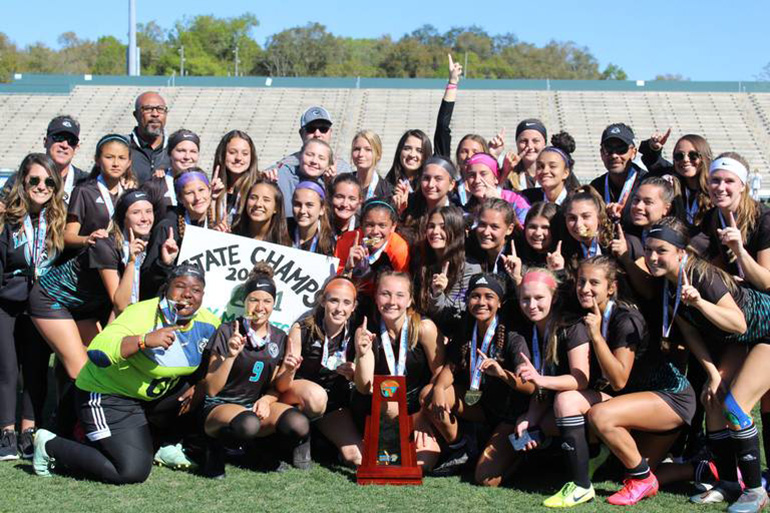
(261, 270)
(564, 141)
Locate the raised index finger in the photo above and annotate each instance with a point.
(170, 233)
(358, 238)
(445, 269)
(131, 235)
(685, 279)
(513, 249)
(733, 224)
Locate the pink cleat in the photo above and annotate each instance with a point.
(635, 490)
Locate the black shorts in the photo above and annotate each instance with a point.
(209, 403)
(103, 415)
(42, 306)
(683, 403)
(338, 395)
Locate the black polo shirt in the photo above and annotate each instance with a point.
(145, 159)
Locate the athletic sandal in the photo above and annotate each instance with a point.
(42, 463)
(173, 457)
(750, 501)
(570, 495)
(635, 490)
(26, 441)
(722, 491)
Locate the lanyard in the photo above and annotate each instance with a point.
(105, 193)
(376, 255)
(372, 184)
(462, 193)
(137, 268)
(666, 324)
(593, 250)
(298, 243)
(724, 225)
(69, 183)
(189, 221)
(523, 184)
(34, 250)
(475, 367)
(338, 355)
(692, 210)
(606, 318)
(624, 192)
(170, 192)
(538, 360)
(400, 369)
(256, 341)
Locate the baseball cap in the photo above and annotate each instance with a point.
(619, 131)
(315, 113)
(63, 124)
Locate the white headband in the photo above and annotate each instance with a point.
(732, 165)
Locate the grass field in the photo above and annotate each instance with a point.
(322, 489)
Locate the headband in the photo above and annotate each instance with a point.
(125, 202)
(485, 159)
(445, 164)
(187, 270)
(307, 184)
(561, 152)
(731, 165)
(181, 136)
(370, 205)
(112, 138)
(487, 281)
(190, 176)
(262, 283)
(667, 234)
(543, 277)
(531, 124)
(343, 282)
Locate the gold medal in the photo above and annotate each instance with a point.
(472, 397)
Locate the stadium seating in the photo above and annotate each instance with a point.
(730, 121)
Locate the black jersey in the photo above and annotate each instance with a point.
(757, 239)
(418, 372)
(87, 207)
(567, 338)
(626, 328)
(253, 369)
(341, 349)
(497, 397)
(17, 274)
(76, 284)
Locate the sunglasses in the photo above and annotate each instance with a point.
(34, 181)
(311, 129)
(692, 155)
(64, 137)
(616, 148)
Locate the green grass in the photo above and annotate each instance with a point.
(319, 490)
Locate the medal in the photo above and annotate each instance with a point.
(664, 340)
(472, 397)
(624, 192)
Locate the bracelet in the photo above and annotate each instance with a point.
(451, 86)
(142, 343)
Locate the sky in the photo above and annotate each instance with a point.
(700, 40)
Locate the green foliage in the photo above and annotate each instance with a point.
(210, 42)
(675, 77)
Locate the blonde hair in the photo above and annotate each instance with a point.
(374, 141)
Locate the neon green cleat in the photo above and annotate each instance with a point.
(173, 457)
(570, 495)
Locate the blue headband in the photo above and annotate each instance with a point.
(560, 152)
(189, 176)
(110, 138)
(372, 204)
(307, 184)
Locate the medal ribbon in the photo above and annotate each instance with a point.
(666, 324)
(254, 339)
(399, 370)
(314, 244)
(624, 192)
(137, 266)
(105, 193)
(593, 250)
(537, 358)
(475, 367)
(692, 210)
(170, 191)
(372, 185)
(340, 353)
(34, 250)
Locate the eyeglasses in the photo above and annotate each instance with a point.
(311, 129)
(65, 137)
(34, 181)
(692, 155)
(160, 109)
(618, 148)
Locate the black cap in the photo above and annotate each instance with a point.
(63, 124)
(619, 131)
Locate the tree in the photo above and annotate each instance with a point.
(613, 72)
(9, 58)
(300, 51)
(764, 75)
(671, 77)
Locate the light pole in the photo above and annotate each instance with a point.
(181, 61)
(131, 57)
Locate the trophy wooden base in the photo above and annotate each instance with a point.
(378, 466)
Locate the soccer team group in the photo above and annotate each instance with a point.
(622, 325)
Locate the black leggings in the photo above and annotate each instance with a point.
(123, 458)
(21, 346)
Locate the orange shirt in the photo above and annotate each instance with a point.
(395, 256)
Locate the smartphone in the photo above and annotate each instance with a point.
(519, 443)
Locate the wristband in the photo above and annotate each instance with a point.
(142, 343)
(451, 86)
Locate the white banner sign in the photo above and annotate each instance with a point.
(228, 260)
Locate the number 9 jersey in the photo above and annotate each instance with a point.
(150, 373)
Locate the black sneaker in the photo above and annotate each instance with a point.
(26, 448)
(214, 466)
(460, 454)
(300, 456)
(8, 445)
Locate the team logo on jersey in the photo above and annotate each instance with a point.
(272, 348)
(388, 388)
(202, 344)
(317, 343)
